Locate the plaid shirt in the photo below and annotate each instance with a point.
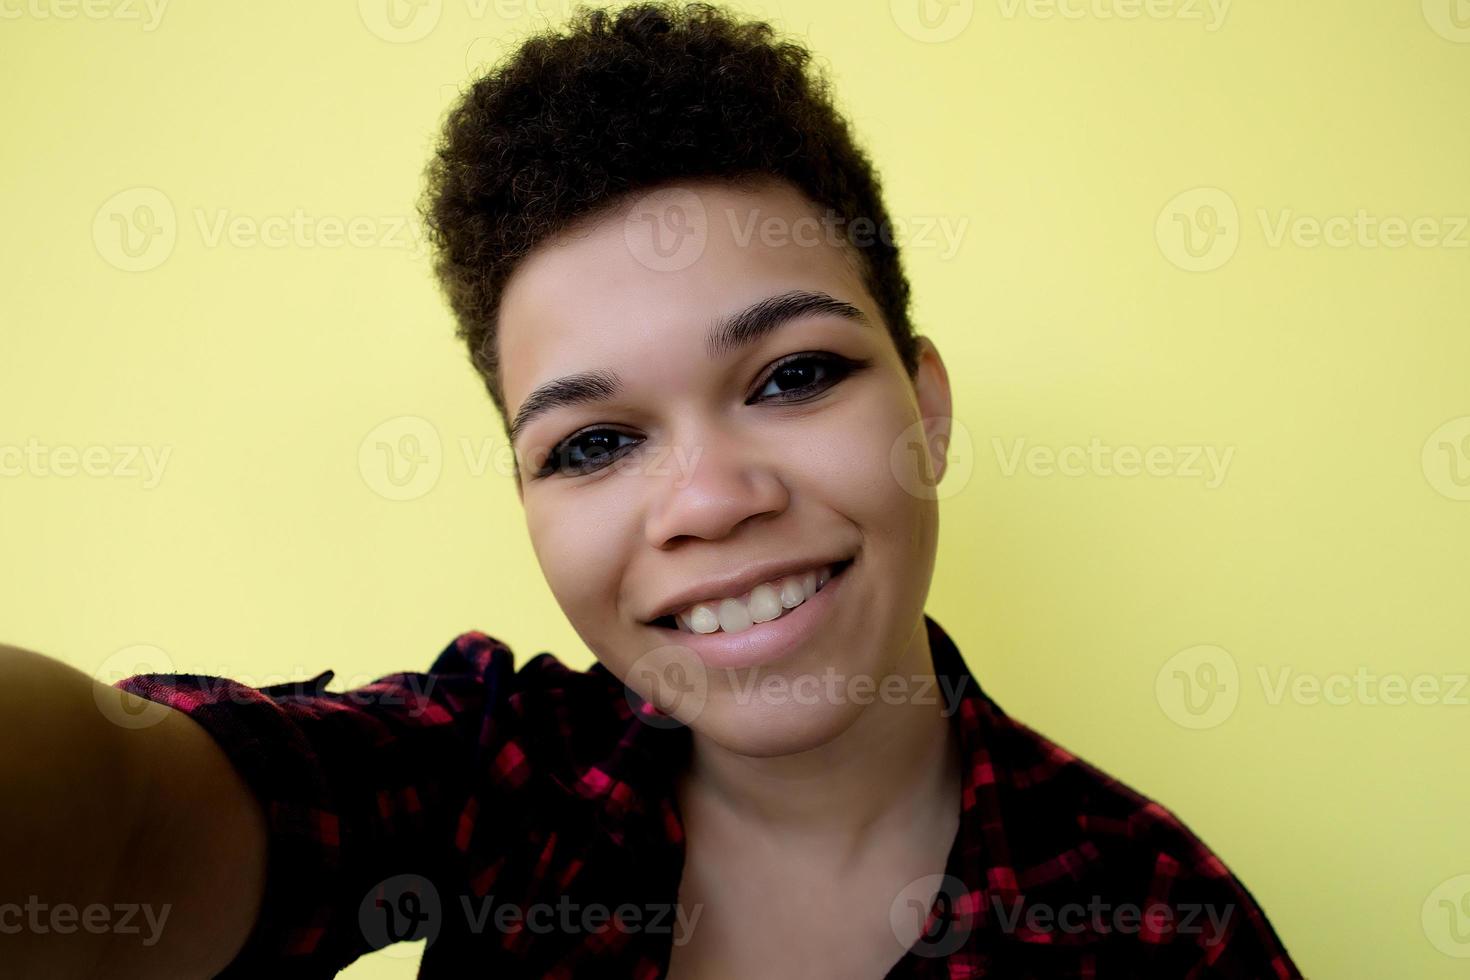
(524, 823)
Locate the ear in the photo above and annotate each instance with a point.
(931, 386)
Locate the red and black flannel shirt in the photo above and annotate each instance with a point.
(524, 823)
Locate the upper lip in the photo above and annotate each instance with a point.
(738, 582)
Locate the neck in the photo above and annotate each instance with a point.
(893, 771)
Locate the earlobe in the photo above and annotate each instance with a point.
(939, 446)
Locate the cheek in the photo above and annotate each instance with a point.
(854, 459)
(578, 549)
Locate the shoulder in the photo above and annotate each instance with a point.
(544, 718)
(541, 682)
(1101, 862)
(471, 700)
(1051, 796)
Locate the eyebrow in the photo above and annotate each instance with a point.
(727, 335)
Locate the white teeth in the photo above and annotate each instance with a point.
(703, 619)
(734, 617)
(761, 605)
(765, 604)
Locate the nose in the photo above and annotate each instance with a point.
(725, 480)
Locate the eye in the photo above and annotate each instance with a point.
(804, 375)
(795, 378)
(585, 452)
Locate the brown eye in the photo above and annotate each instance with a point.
(804, 375)
(795, 378)
(586, 452)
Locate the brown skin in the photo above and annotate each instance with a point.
(99, 814)
(790, 809)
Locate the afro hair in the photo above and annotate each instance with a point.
(627, 101)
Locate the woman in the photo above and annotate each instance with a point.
(676, 276)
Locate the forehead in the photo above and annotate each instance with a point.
(653, 272)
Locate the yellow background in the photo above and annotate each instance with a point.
(1335, 541)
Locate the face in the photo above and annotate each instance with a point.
(670, 462)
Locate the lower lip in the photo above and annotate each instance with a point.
(768, 642)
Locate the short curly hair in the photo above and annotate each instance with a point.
(622, 102)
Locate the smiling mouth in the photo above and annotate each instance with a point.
(673, 623)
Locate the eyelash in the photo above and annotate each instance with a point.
(837, 367)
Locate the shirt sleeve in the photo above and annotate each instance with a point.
(359, 788)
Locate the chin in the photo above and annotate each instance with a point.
(770, 730)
